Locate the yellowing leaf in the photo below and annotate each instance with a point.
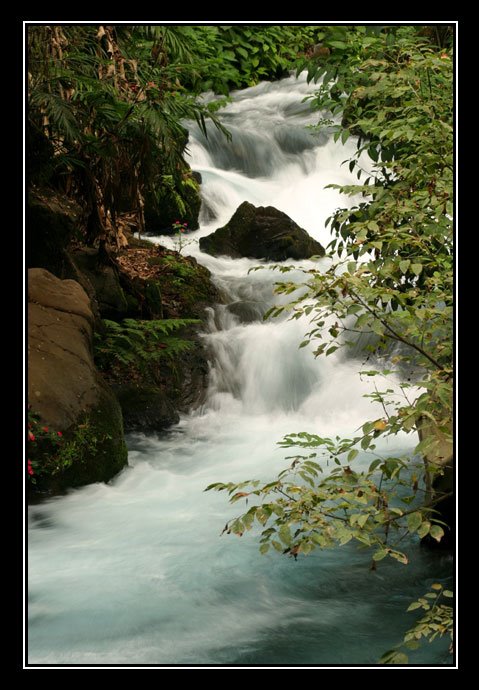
(380, 425)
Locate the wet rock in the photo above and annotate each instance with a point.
(261, 233)
(64, 387)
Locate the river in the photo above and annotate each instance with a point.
(135, 571)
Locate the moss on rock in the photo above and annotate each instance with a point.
(165, 284)
(64, 388)
(261, 233)
(146, 408)
(94, 449)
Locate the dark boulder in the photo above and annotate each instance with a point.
(64, 387)
(248, 311)
(107, 292)
(261, 233)
(146, 409)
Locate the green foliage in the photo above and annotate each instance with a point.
(390, 279)
(233, 57)
(140, 344)
(77, 446)
(321, 501)
(45, 446)
(393, 274)
(106, 111)
(436, 622)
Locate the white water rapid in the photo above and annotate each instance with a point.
(135, 572)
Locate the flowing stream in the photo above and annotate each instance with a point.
(135, 572)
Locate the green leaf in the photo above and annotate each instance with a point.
(362, 519)
(399, 556)
(404, 265)
(374, 464)
(352, 454)
(424, 529)
(337, 44)
(264, 548)
(447, 593)
(415, 605)
(412, 644)
(436, 532)
(305, 547)
(242, 52)
(365, 442)
(393, 657)
(414, 521)
(416, 269)
(284, 534)
(380, 554)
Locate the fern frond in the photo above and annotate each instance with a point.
(141, 343)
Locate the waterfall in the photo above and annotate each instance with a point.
(135, 572)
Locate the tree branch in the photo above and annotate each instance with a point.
(394, 334)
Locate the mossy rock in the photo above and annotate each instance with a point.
(182, 288)
(146, 408)
(93, 450)
(109, 295)
(189, 286)
(107, 454)
(153, 299)
(261, 233)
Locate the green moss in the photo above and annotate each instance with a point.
(153, 299)
(155, 261)
(137, 243)
(133, 303)
(102, 451)
(146, 408)
(93, 450)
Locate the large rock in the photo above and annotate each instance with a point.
(261, 233)
(153, 402)
(64, 387)
(146, 409)
(104, 279)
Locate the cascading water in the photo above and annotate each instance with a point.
(134, 572)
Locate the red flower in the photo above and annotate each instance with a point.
(59, 433)
(31, 437)
(45, 428)
(185, 224)
(30, 468)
